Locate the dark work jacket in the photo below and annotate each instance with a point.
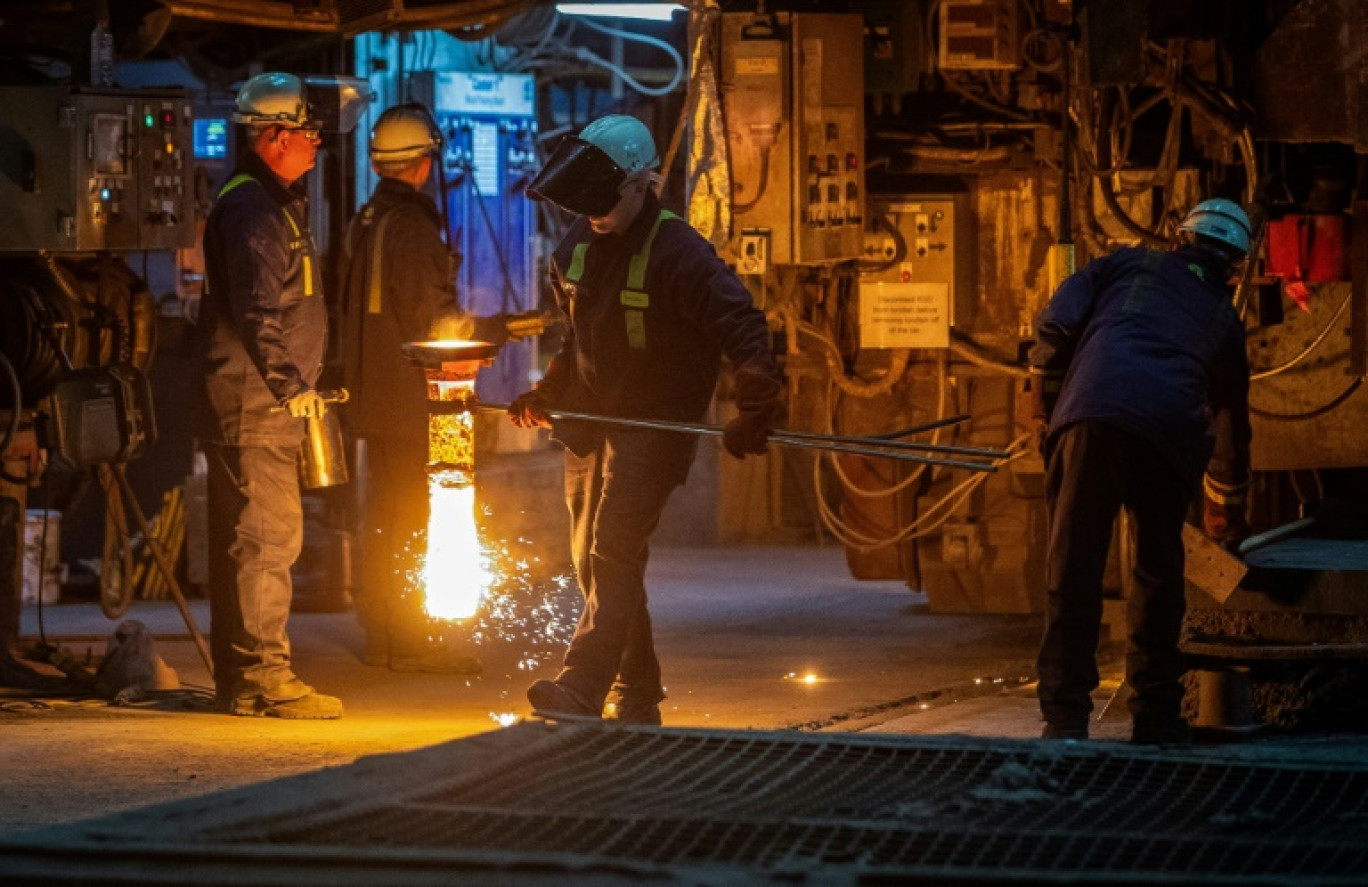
(417, 277)
(696, 311)
(263, 326)
(1150, 341)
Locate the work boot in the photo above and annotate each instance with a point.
(627, 712)
(1067, 733)
(293, 700)
(551, 699)
(628, 705)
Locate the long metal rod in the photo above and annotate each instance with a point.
(779, 438)
(925, 426)
(163, 564)
(897, 444)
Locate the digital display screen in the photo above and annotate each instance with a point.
(211, 138)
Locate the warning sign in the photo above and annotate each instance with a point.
(904, 315)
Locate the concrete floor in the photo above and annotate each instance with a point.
(738, 629)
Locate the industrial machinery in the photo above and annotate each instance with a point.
(95, 169)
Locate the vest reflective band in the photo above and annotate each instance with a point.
(634, 297)
(297, 243)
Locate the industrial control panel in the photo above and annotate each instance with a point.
(94, 169)
(792, 88)
(923, 286)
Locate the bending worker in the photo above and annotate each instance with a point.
(1141, 384)
(650, 309)
(263, 329)
(399, 285)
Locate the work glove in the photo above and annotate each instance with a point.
(760, 405)
(492, 329)
(1223, 512)
(530, 409)
(307, 404)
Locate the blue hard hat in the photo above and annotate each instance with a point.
(1221, 220)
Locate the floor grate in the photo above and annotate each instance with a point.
(783, 802)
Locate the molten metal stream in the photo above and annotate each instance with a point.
(456, 570)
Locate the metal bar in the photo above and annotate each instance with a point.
(779, 438)
(168, 572)
(896, 444)
(925, 426)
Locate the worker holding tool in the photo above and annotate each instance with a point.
(262, 331)
(650, 310)
(1140, 385)
(398, 280)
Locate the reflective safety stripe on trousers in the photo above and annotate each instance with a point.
(297, 243)
(634, 298)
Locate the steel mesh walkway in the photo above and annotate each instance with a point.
(778, 801)
(798, 808)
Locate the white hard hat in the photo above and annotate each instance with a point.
(404, 132)
(274, 97)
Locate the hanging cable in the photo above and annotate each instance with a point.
(587, 55)
(1284, 367)
(1315, 413)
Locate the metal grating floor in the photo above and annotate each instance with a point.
(694, 805)
(777, 802)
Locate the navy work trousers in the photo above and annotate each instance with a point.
(616, 494)
(1094, 470)
(256, 530)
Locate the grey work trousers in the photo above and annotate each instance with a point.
(256, 530)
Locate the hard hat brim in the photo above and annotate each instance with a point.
(579, 178)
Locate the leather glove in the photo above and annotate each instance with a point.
(747, 434)
(759, 398)
(492, 329)
(307, 404)
(1223, 512)
(529, 409)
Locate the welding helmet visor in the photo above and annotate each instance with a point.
(580, 178)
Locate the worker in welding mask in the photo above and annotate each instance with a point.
(262, 329)
(398, 281)
(1140, 386)
(651, 310)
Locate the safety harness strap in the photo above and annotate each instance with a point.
(297, 243)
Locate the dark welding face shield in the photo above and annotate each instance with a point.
(579, 178)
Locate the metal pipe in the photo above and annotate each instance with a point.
(780, 438)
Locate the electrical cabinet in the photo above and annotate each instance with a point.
(102, 169)
(979, 35)
(792, 88)
(913, 299)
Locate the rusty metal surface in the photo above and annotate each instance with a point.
(1309, 75)
(1332, 440)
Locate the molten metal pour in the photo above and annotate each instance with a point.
(455, 574)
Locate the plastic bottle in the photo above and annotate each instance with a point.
(102, 54)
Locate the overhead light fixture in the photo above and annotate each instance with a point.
(655, 12)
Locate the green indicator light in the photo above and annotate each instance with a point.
(148, 121)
